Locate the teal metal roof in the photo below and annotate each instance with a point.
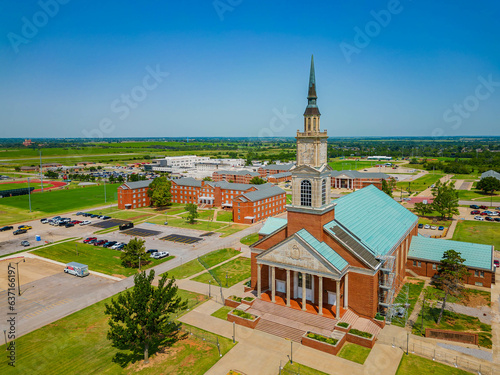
(322, 248)
(377, 220)
(271, 225)
(475, 255)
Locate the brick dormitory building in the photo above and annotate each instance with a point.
(249, 203)
(240, 177)
(134, 194)
(350, 255)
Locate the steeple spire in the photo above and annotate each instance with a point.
(312, 81)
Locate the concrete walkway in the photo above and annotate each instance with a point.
(495, 321)
(260, 353)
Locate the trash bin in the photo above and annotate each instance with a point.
(37, 238)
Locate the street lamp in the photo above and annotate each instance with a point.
(209, 283)
(17, 267)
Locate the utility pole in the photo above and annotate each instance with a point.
(104, 189)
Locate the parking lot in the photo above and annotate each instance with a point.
(181, 238)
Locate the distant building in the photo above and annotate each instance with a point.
(279, 177)
(379, 158)
(267, 170)
(134, 194)
(241, 176)
(490, 173)
(258, 205)
(27, 142)
(354, 180)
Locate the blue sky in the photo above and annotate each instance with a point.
(240, 67)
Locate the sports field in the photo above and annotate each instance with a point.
(16, 209)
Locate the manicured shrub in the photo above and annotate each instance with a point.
(357, 332)
(322, 338)
(343, 324)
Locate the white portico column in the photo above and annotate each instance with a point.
(273, 284)
(259, 281)
(337, 300)
(303, 291)
(346, 289)
(288, 288)
(320, 295)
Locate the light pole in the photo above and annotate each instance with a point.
(209, 283)
(41, 172)
(104, 190)
(29, 193)
(17, 267)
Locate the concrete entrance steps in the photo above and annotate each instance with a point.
(280, 330)
(361, 324)
(260, 307)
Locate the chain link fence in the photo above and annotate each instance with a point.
(203, 335)
(419, 348)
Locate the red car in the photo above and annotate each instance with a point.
(100, 242)
(483, 207)
(475, 212)
(496, 263)
(483, 213)
(76, 222)
(88, 239)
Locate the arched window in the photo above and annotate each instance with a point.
(323, 191)
(305, 193)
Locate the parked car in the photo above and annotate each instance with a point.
(488, 212)
(440, 227)
(126, 225)
(496, 262)
(497, 219)
(92, 242)
(85, 222)
(79, 213)
(420, 226)
(151, 251)
(427, 226)
(483, 207)
(484, 213)
(480, 218)
(495, 213)
(44, 221)
(19, 231)
(27, 227)
(474, 206)
(433, 227)
(109, 244)
(55, 218)
(475, 212)
(159, 255)
(105, 217)
(7, 227)
(488, 218)
(25, 243)
(100, 242)
(88, 239)
(86, 214)
(116, 245)
(120, 247)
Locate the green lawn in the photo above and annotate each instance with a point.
(353, 352)
(200, 225)
(351, 165)
(454, 322)
(79, 341)
(421, 183)
(187, 269)
(288, 198)
(435, 294)
(218, 256)
(297, 368)
(202, 214)
(222, 312)
(412, 364)
(415, 287)
(484, 232)
(434, 221)
(231, 229)
(478, 195)
(237, 270)
(98, 259)
(250, 239)
(22, 185)
(225, 216)
(16, 209)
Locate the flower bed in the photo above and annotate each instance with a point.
(248, 300)
(361, 338)
(379, 320)
(247, 286)
(232, 301)
(243, 318)
(343, 327)
(323, 343)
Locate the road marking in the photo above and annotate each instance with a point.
(46, 308)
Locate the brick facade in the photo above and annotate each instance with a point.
(133, 198)
(259, 210)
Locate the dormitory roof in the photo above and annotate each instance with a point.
(278, 167)
(240, 173)
(491, 173)
(257, 195)
(136, 184)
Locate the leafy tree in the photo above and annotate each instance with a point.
(388, 186)
(207, 178)
(450, 276)
(136, 177)
(257, 181)
(192, 210)
(92, 169)
(445, 199)
(423, 208)
(489, 184)
(159, 192)
(131, 253)
(140, 318)
(111, 179)
(120, 179)
(51, 174)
